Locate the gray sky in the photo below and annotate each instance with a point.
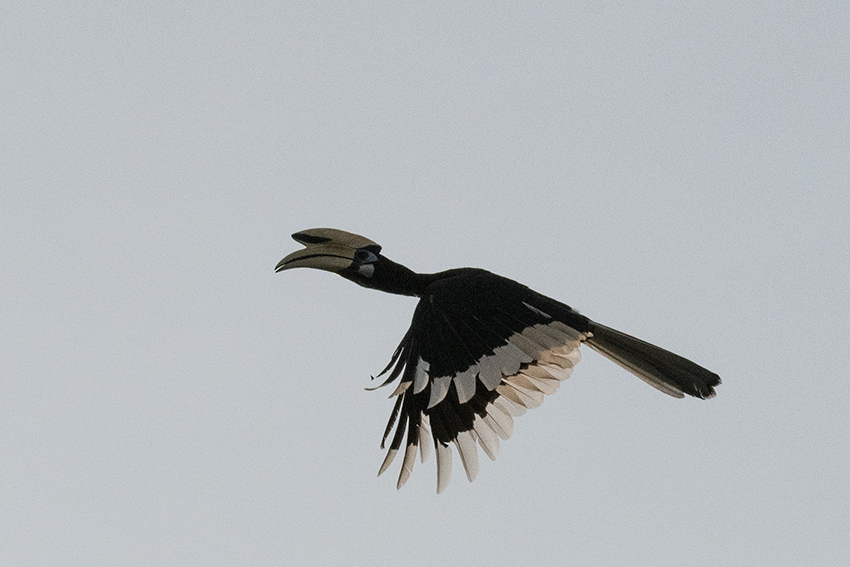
(679, 173)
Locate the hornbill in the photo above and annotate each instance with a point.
(481, 349)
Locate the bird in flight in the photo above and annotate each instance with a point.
(480, 351)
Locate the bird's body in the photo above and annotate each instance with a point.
(481, 350)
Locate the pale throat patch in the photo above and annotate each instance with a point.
(367, 270)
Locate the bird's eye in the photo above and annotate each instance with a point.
(363, 256)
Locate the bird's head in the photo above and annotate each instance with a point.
(353, 257)
(349, 255)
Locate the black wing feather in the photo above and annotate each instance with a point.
(457, 323)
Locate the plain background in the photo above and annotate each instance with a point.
(675, 170)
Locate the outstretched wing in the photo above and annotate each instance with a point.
(480, 351)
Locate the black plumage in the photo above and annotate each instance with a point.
(480, 350)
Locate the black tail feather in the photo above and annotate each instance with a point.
(670, 373)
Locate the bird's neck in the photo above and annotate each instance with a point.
(392, 277)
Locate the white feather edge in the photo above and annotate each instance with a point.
(424, 438)
(468, 451)
(407, 464)
(465, 385)
(388, 459)
(487, 437)
(420, 379)
(439, 389)
(444, 466)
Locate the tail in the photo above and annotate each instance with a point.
(660, 368)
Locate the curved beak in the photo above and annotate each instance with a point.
(329, 257)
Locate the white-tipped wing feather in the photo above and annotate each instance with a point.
(540, 358)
